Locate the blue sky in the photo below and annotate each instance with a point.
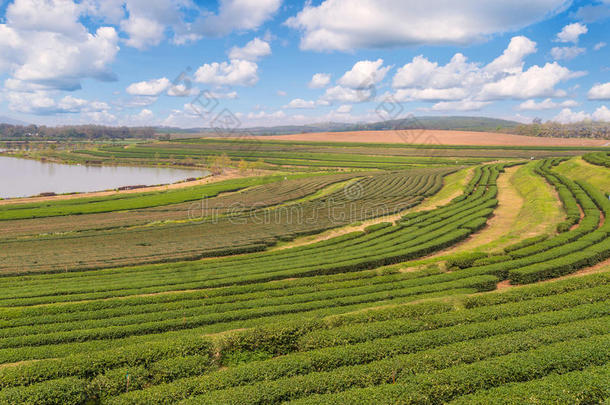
(272, 62)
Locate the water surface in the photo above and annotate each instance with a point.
(25, 177)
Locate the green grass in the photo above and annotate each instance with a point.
(577, 169)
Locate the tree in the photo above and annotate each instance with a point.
(243, 166)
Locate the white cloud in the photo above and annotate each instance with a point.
(351, 24)
(602, 114)
(462, 105)
(231, 95)
(421, 73)
(459, 79)
(145, 115)
(44, 45)
(143, 32)
(281, 93)
(237, 72)
(364, 74)
(344, 109)
(430, 94)
(567, 116)
(265, 115)
(600, 92)
(181, 90)
(101, 117)
(546, 104)
(566, 52)
(253, 51)
(300, 103)
(236, 15)
(599, 46)
(39, 15)
(319, 80)
(43, 103)
(511, 60)
(149, 88)
(535, 82)
(137, 101)
(571, 32)
(149, 21)
(347, 95)
(56, 60)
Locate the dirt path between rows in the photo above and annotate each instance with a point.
(510, 203)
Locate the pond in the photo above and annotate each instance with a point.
(25, 177)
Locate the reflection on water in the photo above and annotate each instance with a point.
(24, 177)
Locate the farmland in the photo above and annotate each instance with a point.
(326, 273)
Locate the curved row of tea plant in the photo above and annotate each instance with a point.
(236, 228)
(598, 158)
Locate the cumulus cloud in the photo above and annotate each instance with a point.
(43, 103)
(503, 78)
(567, 116)
(600, 92)
(265, 115)
(143, 32)
(253, 50)
(42, 43)
(144, 116)
(602, 114)
(39, 15)
(348, 95)
(572, 32)
(462, 105)
(237, 72)
(546, 104)
(512, 59)
(149, 88)
(344, 109)
(599, 46)
(566, 52)
(421, 73)
(319, 80)
(364, 74)
(234, 15)
(300, 103)
(534, 82)
(146, 23)
(350, 24)
(430, 94)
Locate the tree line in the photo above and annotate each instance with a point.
(82, 132)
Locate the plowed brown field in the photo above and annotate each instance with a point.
(439, 137)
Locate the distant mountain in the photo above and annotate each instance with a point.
(11, 121)
(482, 124)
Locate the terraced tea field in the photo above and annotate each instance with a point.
(349, 274)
